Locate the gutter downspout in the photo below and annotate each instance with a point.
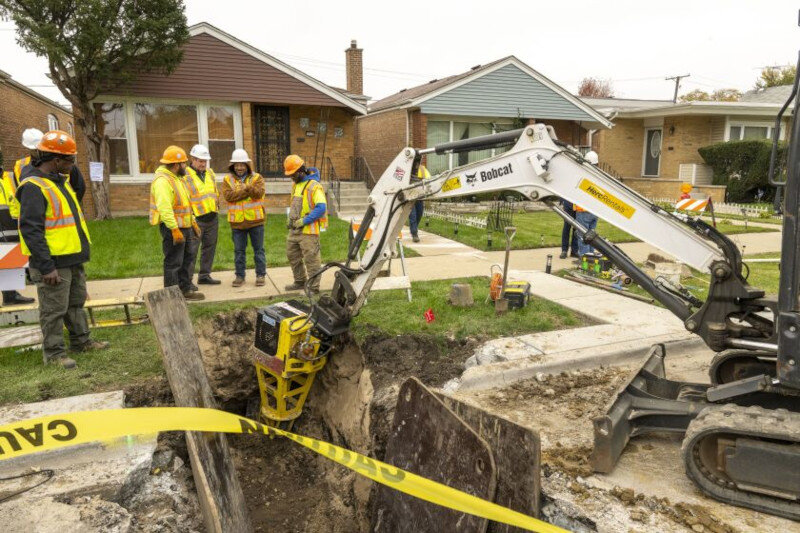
(408, 133)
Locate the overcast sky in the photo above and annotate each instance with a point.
(634, 44)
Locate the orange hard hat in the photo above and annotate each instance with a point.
(292, 164)
(57, 142)
(686, 187)
(174, 154)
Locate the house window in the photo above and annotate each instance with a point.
(52, 122)
(162, 125)
(221, 135)
(112, 125)
(71, 129)
(749, 131)
(441, 131)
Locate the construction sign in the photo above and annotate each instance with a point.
(692, 204)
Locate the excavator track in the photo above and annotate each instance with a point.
(746, 456)
(733, 365)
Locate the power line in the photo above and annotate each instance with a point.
(677, 84)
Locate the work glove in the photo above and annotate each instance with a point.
(177, 236)
(196, 229)
(298, 224)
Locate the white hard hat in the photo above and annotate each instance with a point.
(31, 138)
(591, 157)
(200, 152)
(240, 156)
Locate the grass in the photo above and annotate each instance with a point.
(542, 229)
(130, 247)
(134, 355)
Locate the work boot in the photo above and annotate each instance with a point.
(90, 345)
(194, 295)
(296, 286)
(238, 282)
(207, 280)
(16, 299)
(415, 238)
(65, 362)
(563, 255)
(194, 287)
(261, 281)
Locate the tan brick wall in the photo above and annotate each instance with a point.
(248, 136)
(621, 147)
(680, 146)
(340, 150)
(380, 137)
(19, 111)
(671, 188)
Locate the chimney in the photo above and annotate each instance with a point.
(354, 67)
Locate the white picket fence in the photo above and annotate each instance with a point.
(435, 211)
(722, 208)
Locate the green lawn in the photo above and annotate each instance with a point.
(130, 247)
(541, 229)
(134, 355)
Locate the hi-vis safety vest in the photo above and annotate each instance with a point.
(307, 190)
(12, 182)
(60, 223)
(180, 202)
(248, 209)
(202, 192)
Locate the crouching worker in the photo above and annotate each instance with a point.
(54, 234)
(307, 218)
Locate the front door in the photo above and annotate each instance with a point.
(652, 151)
(272, 139)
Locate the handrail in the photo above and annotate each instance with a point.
(329, 174)
(362, 172)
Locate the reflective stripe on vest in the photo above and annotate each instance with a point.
(245, 210)
(321, 224)
(181, 210)
(203, 200)
(60, 223)
(13, 183)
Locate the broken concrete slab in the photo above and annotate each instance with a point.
(97, 468)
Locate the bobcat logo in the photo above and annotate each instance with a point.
(471, 179)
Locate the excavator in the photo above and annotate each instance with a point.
(741, 430)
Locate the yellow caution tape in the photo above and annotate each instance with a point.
(68, 429)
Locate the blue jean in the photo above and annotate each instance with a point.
(256, 235)
(588, 221)
(415, 217)
(566, 242)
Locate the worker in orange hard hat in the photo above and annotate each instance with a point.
(171, 211)
(53, 233)
(307, 219)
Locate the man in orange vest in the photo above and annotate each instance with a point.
(54, 234)
(171, 211)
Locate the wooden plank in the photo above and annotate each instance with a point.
(517, 453)
(221, 497)
(430, 440)
(20, 336)
(394, 282)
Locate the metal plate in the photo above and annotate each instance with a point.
(430, 440)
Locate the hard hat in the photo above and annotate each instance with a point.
(240, 156)
(591, 157)
(174, 154)
(292, 164)
(686, 187)
(57, 142)
(200, 152)
(31, 138)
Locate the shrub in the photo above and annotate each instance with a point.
(743, 166)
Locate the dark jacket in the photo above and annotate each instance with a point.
(33, 206)
(75, 180)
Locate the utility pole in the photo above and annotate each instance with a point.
(677, 84)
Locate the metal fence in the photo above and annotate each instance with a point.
(435, 210)
(723, 208)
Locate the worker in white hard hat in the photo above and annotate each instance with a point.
(592, 157)
(244, 190)
(202, 185)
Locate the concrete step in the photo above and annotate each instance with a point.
(354, 206)
(354, 196)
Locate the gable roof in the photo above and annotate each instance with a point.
(415, 96)
(209, 29)
(770, 95)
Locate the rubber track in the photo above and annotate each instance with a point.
(778, 424)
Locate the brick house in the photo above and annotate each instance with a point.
(490, 98)
(653, 146)
(226, 94)
(22, 108)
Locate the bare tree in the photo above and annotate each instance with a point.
(595, 88)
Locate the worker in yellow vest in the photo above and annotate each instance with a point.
(202, 184)
(9, 231)
(415, 217)
(54, 234)
(307, 219)
(244, 191)
(171, 211)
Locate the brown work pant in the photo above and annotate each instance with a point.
(303, 253)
